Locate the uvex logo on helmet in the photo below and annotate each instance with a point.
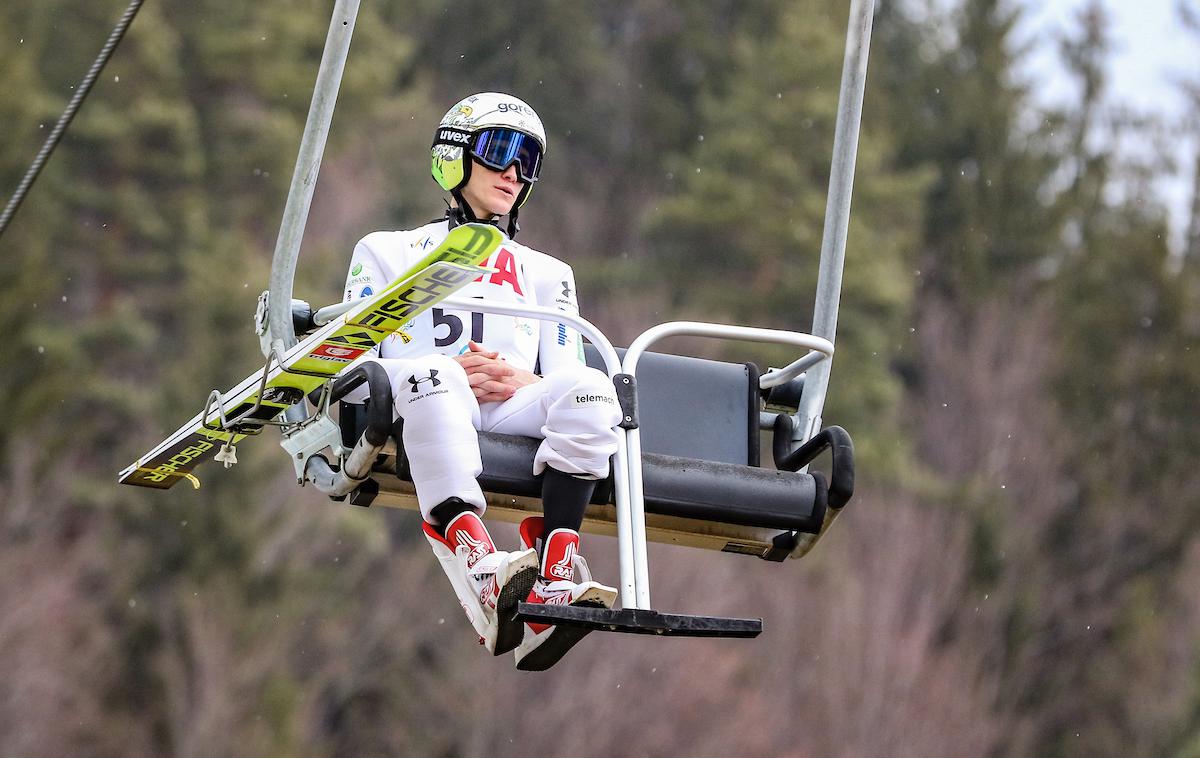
(451, 135)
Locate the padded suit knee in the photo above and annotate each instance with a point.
(580, 420)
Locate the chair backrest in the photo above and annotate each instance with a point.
(696, 408)
(687, 407)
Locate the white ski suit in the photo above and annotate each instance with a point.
(573, 409)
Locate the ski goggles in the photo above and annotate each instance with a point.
(498, 149)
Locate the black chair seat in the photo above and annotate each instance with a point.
(674, 486)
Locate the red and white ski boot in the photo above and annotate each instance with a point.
(545, 644)
(489, 583)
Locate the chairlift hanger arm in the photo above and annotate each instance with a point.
(837, 208)
(279, 330)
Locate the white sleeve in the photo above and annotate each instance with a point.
(364, 277)
(559, 345)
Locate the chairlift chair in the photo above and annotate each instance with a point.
(697, 480)
(681, 475)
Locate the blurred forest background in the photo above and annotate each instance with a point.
(1019, 363)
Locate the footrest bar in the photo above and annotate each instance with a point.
(639, 621)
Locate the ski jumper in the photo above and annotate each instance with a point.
(573, 409)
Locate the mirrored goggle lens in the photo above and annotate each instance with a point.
(500, 148)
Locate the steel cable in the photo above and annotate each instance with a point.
(56, 133)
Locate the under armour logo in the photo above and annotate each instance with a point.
(567, 289)
(416, 383)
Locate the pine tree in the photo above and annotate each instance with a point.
(738, 235)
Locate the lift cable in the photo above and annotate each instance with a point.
(80, 93)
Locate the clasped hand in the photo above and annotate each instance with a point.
(492, 379)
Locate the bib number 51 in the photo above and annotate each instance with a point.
(455, 326)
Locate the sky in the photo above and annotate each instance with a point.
(1150, 45)
(1151, 50)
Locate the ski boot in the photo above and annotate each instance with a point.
(488, 583)
(545, 644)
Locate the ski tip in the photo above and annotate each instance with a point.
(139, 476)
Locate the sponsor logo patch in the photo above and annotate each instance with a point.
(567, 297)
(356, 270)
(580, 399)
(488, 595)
(455, 137)
(524, 110)
(366, 292)
(563, 568)
(475, 547)
(328, 351)
(416, 383)
(180, 460)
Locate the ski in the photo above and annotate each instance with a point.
(316, 359)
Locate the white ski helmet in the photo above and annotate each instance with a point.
(496, 129)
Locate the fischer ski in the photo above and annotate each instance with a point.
(287, 379)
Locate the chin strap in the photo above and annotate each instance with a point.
(457, 215)
(462, 210)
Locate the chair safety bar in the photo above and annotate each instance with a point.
(821, 347)
(626, 547)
